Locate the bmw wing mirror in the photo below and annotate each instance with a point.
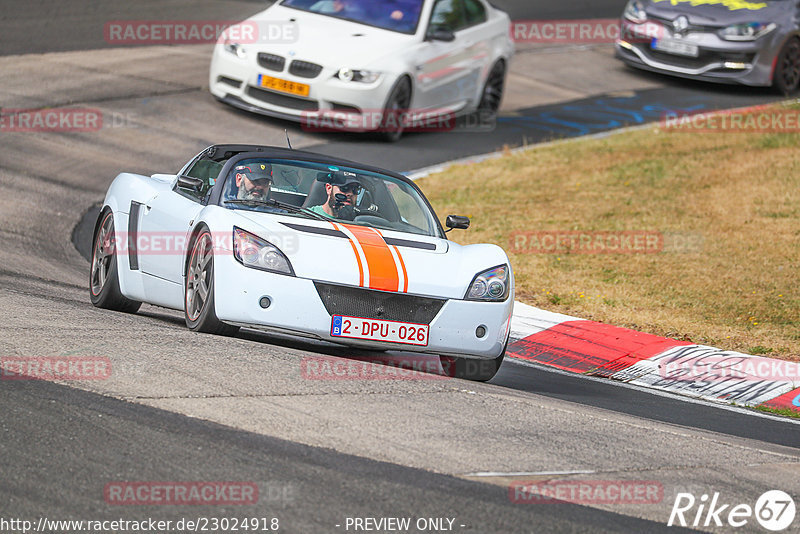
(440, 34)
(187, 182)
(457, 222)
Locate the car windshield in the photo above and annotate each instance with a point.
(395, 15)
(328, 192)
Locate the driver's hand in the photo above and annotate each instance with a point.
(347, 212)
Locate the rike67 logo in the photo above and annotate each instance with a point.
(774, 510)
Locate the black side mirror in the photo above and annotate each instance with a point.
(440, 34)
(457, 222)
(187, 182)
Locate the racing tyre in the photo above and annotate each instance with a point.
(492, 94)
(103, 276)
(471, 368)
(199, 289)
(393, 113)
(787, 68)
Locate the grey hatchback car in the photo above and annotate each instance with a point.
(750, 42)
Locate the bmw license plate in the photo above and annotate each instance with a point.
(284, 86)
(678, 48)
(376, 330)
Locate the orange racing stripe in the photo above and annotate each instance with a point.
(380, 262)
(358, 258)
(403, 267)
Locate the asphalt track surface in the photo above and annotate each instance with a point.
(188, 407)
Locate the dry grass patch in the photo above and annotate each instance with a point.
(726, 204)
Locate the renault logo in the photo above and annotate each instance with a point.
(681, 24)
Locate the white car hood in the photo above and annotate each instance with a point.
(329, 41)
(444, 271)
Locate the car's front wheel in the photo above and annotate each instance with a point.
(199, 311)
(395, 111)
(104, 288)
(471, 368)
(787, 68)
(493, 90)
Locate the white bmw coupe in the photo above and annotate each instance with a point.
(366, 65)
(287, 241)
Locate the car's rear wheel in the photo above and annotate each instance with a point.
(493, 90)
(104, 288)
(787, 69)
(395, 111)
(199, 311)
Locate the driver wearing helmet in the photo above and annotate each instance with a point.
(253, 181)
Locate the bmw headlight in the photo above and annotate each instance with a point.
(749, 31)
(236, 49)
(635, 12)
(363, 76)
(257, 253)
(490, 285)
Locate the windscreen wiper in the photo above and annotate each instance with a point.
(278, 204)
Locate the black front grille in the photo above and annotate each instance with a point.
(369, 304)
(271, 61)
(691, 28)
(284, 101)
(304, 69)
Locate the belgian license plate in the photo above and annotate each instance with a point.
(678, 48)
(284, 86)
(376, 330)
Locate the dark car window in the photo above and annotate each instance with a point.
(207, 171)
(448, 15)
(476, 13)
(395, 15)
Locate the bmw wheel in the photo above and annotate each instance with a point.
(104, 288)
(199, 311)
(787, 68)
(395, 110)
(493, 90)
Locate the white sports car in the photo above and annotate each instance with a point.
(287, 241)
(365, 65)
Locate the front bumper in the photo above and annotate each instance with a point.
(747, 63)
(296, 308)
(330, 101)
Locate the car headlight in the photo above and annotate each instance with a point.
(363, 76)
(490, 285)
(635, 12)
(257, 253)
(236, 49)
(749, 31)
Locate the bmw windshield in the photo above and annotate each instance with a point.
(395, 15)
(328, 192)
